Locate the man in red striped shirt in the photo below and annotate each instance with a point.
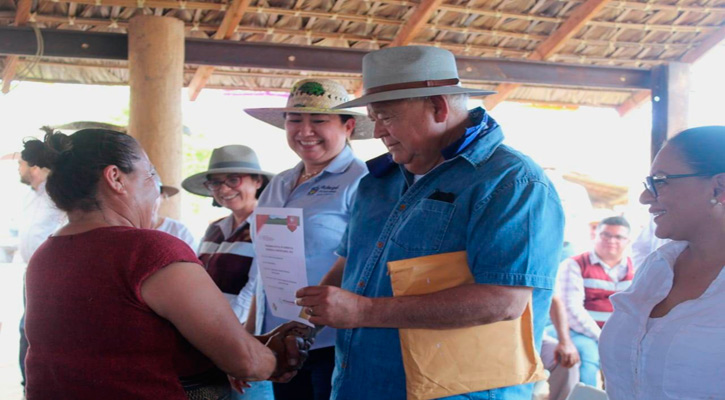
(586, 281)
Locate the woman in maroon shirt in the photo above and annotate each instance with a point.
(118, 312)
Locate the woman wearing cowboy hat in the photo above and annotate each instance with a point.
(234, 179)
(323, 183)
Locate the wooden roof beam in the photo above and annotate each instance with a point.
(581, 15)
(229, 24)
(638, 98)
(22, 15)
(417, 21)
(114, 46)
(408, 32)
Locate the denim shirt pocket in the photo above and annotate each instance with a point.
(424, 226)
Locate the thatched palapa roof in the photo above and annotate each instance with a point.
(630, 34)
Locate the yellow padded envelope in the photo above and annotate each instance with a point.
(446, 362)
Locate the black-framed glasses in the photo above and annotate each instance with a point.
(232, 182)
(651, 182)
(609, 236)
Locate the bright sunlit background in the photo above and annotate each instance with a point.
(592, 141)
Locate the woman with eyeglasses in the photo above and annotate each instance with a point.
(666, 337)
(234, 180)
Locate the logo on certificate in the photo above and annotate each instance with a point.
(293, 222)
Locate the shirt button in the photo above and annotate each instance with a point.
(402, 207)
(361, 284)
(344, 365)
(380, 245)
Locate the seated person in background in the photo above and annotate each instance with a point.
(170, 225)
(559, 356)
(120, 311)
(586, 281)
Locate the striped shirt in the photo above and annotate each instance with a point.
(570, 287)
(227, 256)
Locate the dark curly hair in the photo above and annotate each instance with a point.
(76, 163)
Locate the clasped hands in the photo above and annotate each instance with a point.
(290, 343)
(327, 306)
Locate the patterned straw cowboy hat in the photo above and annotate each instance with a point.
(315, 96)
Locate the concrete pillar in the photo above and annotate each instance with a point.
(156, 78)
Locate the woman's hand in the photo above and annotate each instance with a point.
(238, 384)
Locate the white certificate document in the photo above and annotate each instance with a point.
(279, 244)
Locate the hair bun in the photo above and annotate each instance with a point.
(47, 153)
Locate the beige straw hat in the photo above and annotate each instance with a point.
(315, 96)
(405, 72)
(230, 159)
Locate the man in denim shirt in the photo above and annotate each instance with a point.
(447, 184)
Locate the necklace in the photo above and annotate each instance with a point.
(307, 175)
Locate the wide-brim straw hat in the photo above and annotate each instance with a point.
(14, 156)
(315, 96)
(231, 159)
(407, 72)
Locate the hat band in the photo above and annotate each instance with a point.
(412, 85)
(233, 164)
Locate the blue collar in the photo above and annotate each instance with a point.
(481, 125)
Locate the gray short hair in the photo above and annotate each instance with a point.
(456, 101)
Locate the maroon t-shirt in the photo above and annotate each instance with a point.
(91, 334)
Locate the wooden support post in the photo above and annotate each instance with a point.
(156, 67)
(22, 15)
(670, 100)
(690, 57)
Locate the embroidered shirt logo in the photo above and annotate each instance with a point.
(323, 190)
